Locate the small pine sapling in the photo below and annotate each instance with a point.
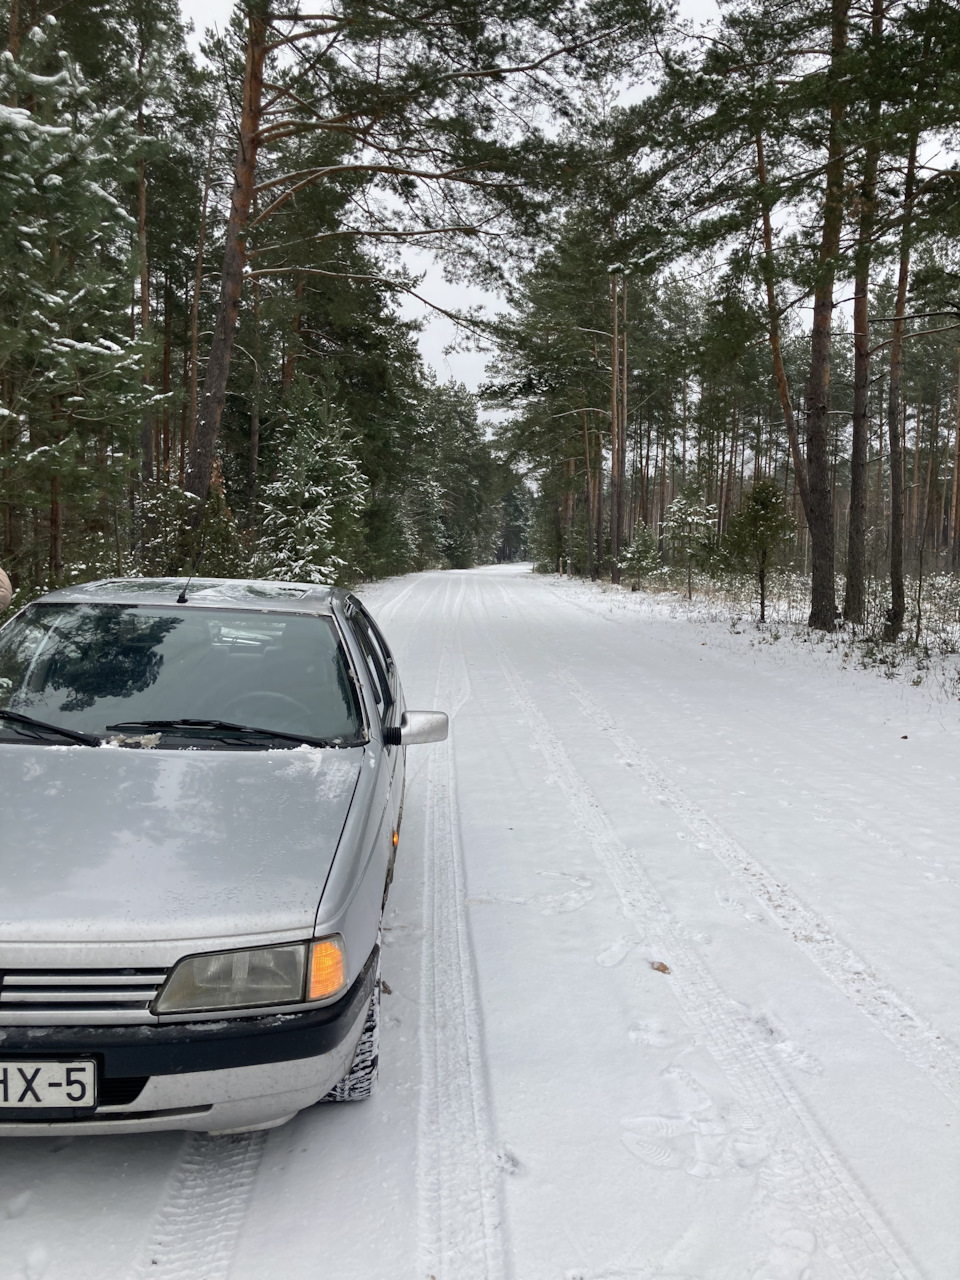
(689, 526)
(642, 557)
(758, 530)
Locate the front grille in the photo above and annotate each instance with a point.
(75, 997)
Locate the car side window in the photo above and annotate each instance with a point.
(375, 666)
(376, 637)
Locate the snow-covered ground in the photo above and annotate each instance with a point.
(673, 964)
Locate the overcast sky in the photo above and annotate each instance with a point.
(465, 366)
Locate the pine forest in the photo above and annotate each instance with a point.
(727, 254)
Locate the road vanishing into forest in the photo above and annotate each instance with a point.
(672, 970)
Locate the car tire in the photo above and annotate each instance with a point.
(360, 1080)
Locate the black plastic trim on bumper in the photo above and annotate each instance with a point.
(178, 1048)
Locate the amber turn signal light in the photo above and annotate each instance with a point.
(396, 838)
(326, 968)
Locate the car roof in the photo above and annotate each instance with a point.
(259, 595)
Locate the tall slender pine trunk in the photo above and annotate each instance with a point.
(854, 601)
(773, 328)
(195, 298)
(591, 569)
(823, 593)
(210, 410)
(147, 460)
(898, 600)
(615, 460)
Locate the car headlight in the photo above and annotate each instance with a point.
(247, 979)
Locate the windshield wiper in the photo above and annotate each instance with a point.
(223, 726)
(74, 735)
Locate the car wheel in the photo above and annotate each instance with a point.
(359, 1081)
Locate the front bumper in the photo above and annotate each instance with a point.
(213, 1077)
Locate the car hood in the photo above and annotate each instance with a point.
(118, 844)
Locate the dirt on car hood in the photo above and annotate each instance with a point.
(101, 844)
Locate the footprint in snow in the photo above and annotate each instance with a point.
(706, 1144)
(616, 952)
(37, 1262)
(652, 1032)
(551, 904)
(767, 1031)
(572, 900)
(556, 906)
(790, 1257)
(643, 1274)
(17, 1204)
(582, 882)
(733, 903)
(706, 1140)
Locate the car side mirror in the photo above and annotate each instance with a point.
(418, 726)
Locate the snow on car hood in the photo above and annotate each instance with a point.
(105, 844)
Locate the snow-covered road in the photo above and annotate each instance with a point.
(672, 953)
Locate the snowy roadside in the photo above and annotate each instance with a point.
(783, 641)
(670, 964)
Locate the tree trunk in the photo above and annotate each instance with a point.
(195, 300)
(146, 427)
(14, 29)
(854, 602)
(56, 532)
(217, 374)
(622, 419)
(13, 41)
(167, 361)
(731, 472)
(773, 325)
(898, 603)
(645, 486)
(823, 602)
(589, 473)
(255, 396)
(290, 362)
(598, 505)
(762, 575)
(932, 478)
(615, 461)
(952, 539)
(912, 496)
(184, 407)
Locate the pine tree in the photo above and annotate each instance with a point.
(312, 509)
(70, 374)
(689, 527)
(758, 529)
(642, 558)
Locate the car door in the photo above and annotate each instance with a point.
(385, 683)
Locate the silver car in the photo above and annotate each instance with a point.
(202, 791)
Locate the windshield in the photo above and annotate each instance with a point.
(89, 666)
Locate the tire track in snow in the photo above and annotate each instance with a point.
(809, 1172)
(392, 603)
(460, 1227)
(196, 1227)
(917, 1039)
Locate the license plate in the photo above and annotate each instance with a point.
(48, 1084)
